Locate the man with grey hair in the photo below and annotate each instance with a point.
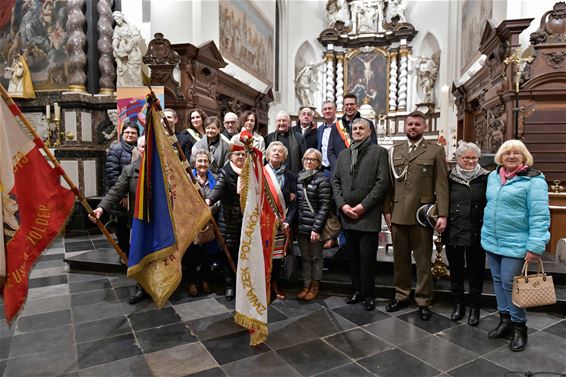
(360, 183)
(231, 126)
(293, 141)
(182, 134)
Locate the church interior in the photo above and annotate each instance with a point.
(484, 71)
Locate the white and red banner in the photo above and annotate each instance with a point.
(33, 208)
(251, 280)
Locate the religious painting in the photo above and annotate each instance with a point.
(367, 77)
(36, 30)
(475, 14)
(132, 105)
(246, 38)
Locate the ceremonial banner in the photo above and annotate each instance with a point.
(253, 268)
(168, 215)
(33, 209)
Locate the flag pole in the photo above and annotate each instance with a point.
(78, 193)
(154, 100)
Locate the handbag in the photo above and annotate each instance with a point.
(533, 290)
(290, 266)
(205, 235)
(332, 226)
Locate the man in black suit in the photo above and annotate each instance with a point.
(293, 141)
(323, 133)
(360, 183)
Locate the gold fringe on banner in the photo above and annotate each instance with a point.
(259, 331)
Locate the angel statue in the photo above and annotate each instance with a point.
(427, 69)
(306, 83)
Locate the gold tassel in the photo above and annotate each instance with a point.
(260, 332)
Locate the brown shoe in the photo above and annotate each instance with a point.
(302, 293)
(193, 291)
(313, 292)
(205, 287)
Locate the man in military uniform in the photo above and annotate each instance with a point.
(419, 177)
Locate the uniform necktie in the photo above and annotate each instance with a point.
(412, 148)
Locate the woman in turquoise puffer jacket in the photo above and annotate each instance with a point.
(515, 229)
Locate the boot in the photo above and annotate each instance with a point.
(474, 318)
(458, 313)
(193, 291)
(519, 340)
(313, 292)
(278, 294)
(503, 328)
(139, 296)
(303, 292)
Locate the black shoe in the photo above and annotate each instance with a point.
(397, 305)
(519, 340)
(370, 304)
(424, 313)
(139, 296)
(503, 329)
(474, 318)
(458, 313)
(229, 294)
(354, 298)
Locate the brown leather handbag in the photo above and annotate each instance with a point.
(533, 290)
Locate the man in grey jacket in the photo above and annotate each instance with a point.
(359, 183)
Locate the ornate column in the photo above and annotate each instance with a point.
(339, 81)
(403, 79)
(329, 57)
(392, 80)
(104, 44)
(76, 57)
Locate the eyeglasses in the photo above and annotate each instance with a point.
(229, 122)
(130, 132)
(466, 158)
(239, 154)
(310, 159)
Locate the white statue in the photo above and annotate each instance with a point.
(307, 83)
(366, 18)
(336, 11)
(127, 45)
(398, 8)
(16, 85)
(427, 70)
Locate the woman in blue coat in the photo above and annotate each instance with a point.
(515, 230)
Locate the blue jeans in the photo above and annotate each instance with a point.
(503, 269)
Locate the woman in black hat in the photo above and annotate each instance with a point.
(467, 185)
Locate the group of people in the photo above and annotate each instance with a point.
(338, 168)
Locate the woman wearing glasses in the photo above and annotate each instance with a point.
(313, 203)
(467, 183)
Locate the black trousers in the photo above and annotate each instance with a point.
(468, 261)
(229, 275)
(362, 251)
(197, 255)
(123, 235)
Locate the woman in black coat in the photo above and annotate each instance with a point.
(280, 181)
(313, 202)
(467, 185)
(227, 191)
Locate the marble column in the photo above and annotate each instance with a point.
(393, 81)
(329, 57)
(104, 44)
(339, 82)
(403, 79)
(76, 56)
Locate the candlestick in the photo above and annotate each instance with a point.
(47, 111)
(57, 111)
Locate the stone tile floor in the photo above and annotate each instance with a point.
(80, 324)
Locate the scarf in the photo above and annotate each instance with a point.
(293, 149)
(238, 171)
(355, 151)
(508, 175)
(279, 174)
(467, 175)
(306, 174)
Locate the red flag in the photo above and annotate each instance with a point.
(33, 209)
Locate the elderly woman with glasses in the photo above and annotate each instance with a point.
(515, 230)
(313, 203)
(467, 183)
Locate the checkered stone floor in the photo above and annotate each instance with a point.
(80, 324)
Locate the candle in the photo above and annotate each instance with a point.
(57, 111)
(47, 111)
